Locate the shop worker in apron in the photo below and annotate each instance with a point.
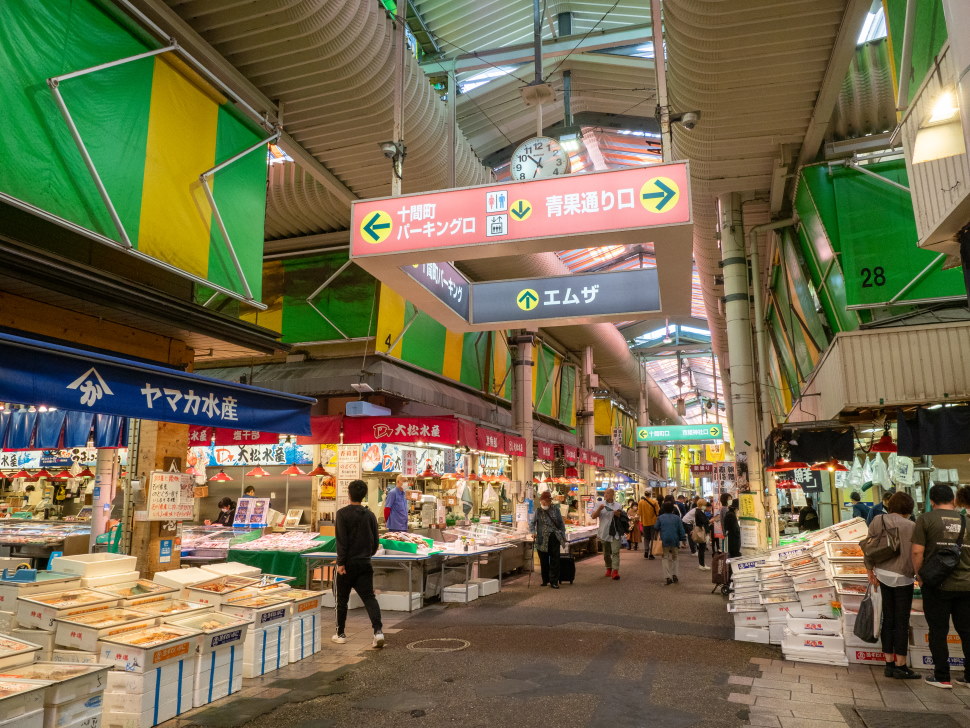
(396, 506)
(356, 544)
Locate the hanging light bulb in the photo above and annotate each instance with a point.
(258, 472)
(293, 470)
(885, 443)
(221, 477)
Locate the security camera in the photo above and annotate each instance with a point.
(389, 149)
(688, 118)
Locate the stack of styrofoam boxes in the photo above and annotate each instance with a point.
(460, 593)
(10, 591)
(267, 646)
(232, 568)
(152, 681)
(220, 589)
(750, 617)
(219, 661)
(74, 694)
(814, 640)
(40, 611)
(842, 556)
(920, 656)
(23, 704)
(181, 578)
(306, 624)
(486, 587)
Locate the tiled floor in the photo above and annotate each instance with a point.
(800, 695)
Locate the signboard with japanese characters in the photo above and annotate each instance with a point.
(587, 204)
(249, 455)
(445, 282)
(348, 469)
(678, 434)
(441, 430)
(588, 296)
(170, 496)
(409, 463)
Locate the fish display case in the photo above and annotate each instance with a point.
(36, 540)
(209, 543)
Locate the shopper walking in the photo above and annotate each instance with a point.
(649, 510)
(550, 534)
(396, 506)
(894, 579)
(634, 537)
(732, 531)
(881, 507)
(859, 509)
(688, 521)
(702, 524)
(357, 542)
(606, 511)
(672, 535)
(936, 532)
(808, 517)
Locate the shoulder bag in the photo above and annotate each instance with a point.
(943, 562)
(883, 546)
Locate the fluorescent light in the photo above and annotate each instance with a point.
(570, 145)
(945, 107)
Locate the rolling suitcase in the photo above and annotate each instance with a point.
(720, 572)
(567, 569)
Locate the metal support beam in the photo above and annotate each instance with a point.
(656, 28)
(562, 46)
(906, 57)
(319, 290)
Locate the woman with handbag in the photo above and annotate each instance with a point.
(635, 537)
(889, 562)
(701, 532)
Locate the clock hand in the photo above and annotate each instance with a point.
(537, 161)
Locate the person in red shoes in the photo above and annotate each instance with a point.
(606, 511)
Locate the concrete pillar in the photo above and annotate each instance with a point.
(737, 308)
(643, 419)
(106, 473)
(522, 405)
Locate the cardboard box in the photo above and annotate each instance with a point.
(751, 634)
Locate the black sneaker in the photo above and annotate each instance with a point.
(905, 673)
(669, 582)
(674, 578)
(888, 671)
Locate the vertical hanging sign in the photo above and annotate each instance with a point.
(348, 469)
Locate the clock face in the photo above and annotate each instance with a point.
(539, 158)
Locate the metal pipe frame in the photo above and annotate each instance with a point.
(227, 241)
(660, 65)
(322, 286)
(917, 278)
(54, 84)
(407, 325)
(855, 165)
(906, 57)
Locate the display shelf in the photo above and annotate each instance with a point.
(210, 541)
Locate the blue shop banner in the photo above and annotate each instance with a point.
(222, 456)
(37, 372)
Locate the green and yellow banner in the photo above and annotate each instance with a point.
(152, 127)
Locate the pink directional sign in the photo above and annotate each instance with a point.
(603, 202)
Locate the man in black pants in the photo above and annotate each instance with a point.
(940, 527)
(356, 543)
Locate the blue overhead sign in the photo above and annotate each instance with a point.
(619, 293)
(445, 283)
(36, 372)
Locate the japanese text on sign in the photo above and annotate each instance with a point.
(170, 497)
(189, 403)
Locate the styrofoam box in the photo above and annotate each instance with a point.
(76, 657)
(397, 601)
(35, 636)
(305, 638)
(328, 601)
(923, 660)
(93, 582)
(117, 719)
(28, 698)
(133, 658)
(486, 586)
(917, 620)
(751, 619)
(751, 634)
(816, 597)
(263, 616)
(219, 670)
(776, 633)
(266, 650)
(85, 637)
(174, 695)
(33, 719)
(47, 582)
(828, 643)
(852, 641)
(94, 564)
(869, 655)
(461, 593)
(181, 578)
(8, 622)
(743, 564)
(855, 529)
(206, 695)
(814, 626)
(779, 612)
(921, 638)
(232, 568)
(818, 657)
(31, 613)
(71, 682)
(59, 716)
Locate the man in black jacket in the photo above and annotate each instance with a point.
(356, 543)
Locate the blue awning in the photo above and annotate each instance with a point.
(37, 372)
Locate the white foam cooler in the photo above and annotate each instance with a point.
(217, 674)
(869, 655)
(232, 568)
(306, 623)
(266, 649)
(99, 582)
(329, 601)
(47, 581)
(751, 634)
(181, 578)
(40, 610)
(99, 564)
(66, 715)
(461, 593)
(141, 700)
(800, 625)
(485, 586)
(148, 649)
(67, 682)
(20, 699)
(751, 619)
(399, 601)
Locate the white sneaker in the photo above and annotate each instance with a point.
(379, 639)
(340, 639)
